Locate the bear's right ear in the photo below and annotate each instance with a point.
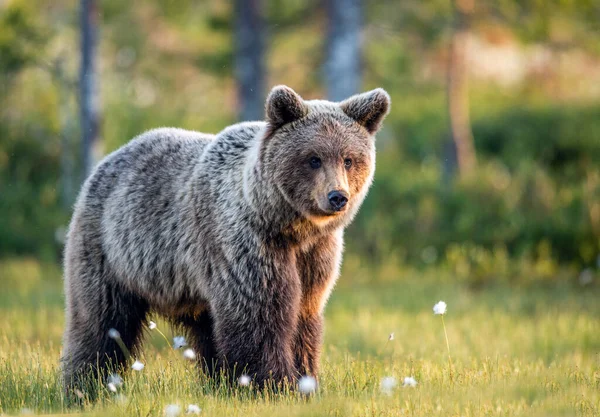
(283, 106)
(368, 109)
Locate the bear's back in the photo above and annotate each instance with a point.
(145, 163)
(132, 201)
(230, 148)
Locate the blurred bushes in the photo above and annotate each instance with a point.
(29, 142)
(536, 186)
(535, 195)
(30, 210)
(21, 34)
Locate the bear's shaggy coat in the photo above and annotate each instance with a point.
(236, 236)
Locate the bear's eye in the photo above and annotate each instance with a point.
(315, 162)
(347, 163)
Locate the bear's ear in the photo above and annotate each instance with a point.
(283, 106)
(368, 109)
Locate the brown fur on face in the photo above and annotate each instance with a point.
(332, 141)
(334, 134)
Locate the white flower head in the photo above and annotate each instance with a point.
(115, 379)
(179, 342)
(193, 409)
(114, 334)
(307, 385)
(151, 325)
(388, 384)
(112, 387)
(137, 366)
(409, 381)
(172, 410)
(391, 337)
(244, 380)
(189, 354)
(440, 308)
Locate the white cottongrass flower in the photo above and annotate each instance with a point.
(137, 366)
(114, 334)
(114, 382)
(244, 380)
(172, 410)
(179, 342)
(193, 409)
(189, 354)
(440, 308)
(151, 325)
(409, 381)
(307, 385)
(388, 384)
(391, 337)
(115, 379)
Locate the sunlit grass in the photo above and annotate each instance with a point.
(527, 352)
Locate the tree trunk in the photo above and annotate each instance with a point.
(342, 65)
(67, 172)
(88, 87)
(249, 58)
(458, 88)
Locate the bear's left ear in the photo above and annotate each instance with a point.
(368, 109)
(284, 106)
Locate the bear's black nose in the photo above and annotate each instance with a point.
(337, 199)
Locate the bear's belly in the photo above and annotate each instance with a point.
(177, 311)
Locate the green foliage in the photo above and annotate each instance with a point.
(30, 208)
(21, 34)
(536, 185)
(29, 155)
(559, 21)
(564, 139)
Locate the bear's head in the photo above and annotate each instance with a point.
(320, 154)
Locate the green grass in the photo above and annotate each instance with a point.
(531, 351)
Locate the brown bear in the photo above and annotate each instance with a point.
(238, 237)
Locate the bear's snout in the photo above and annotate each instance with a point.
(337, 199)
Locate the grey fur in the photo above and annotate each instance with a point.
(229, 235)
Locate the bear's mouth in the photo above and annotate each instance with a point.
(321, 220)
(320, 214)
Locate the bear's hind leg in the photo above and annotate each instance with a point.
(200, 331)
(90, 353)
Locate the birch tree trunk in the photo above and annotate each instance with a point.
(249, 58)
(342, 62)
(67, 173)
(458, 88)
(88, 87)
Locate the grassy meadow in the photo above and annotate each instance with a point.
(532, 351)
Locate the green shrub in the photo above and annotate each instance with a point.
(535, 185)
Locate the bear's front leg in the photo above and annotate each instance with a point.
(307, 346)
(318, 267)
(256, 315)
